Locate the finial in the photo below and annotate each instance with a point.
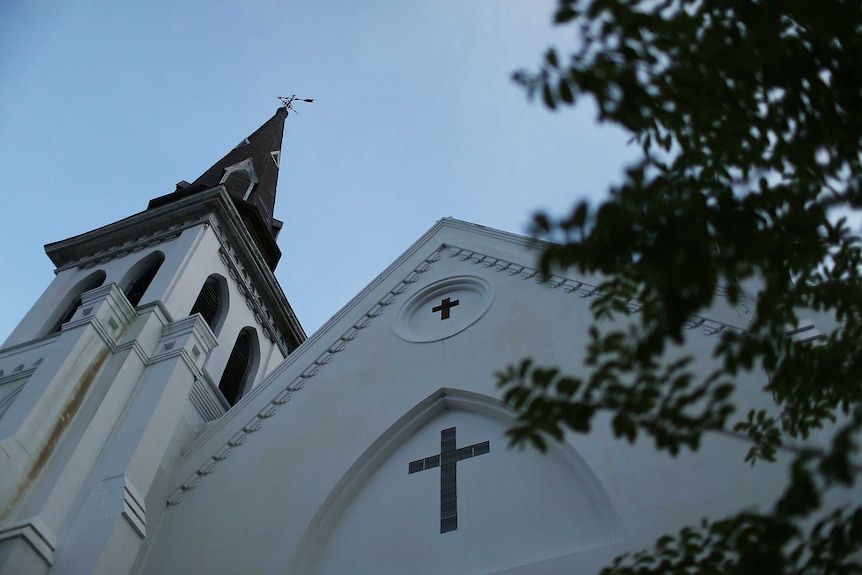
(287, 103)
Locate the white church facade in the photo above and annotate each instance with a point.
(163, 412)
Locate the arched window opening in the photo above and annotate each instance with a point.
(209, 302)
(236, 373)
(138, 286)
(92, 282)
(70, 311)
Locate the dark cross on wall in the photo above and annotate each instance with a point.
(447, 460)
(444, 308)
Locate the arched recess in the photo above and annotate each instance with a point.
(140, 276)
(213, 302)
(589, 506)
(241, 367)
(72, 301)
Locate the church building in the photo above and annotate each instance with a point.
(163, 412)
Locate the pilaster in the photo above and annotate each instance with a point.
(43, 410)
(111, 525)
(52, 396)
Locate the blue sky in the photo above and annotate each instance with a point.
(107, 104)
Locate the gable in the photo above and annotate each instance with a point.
(291, 474)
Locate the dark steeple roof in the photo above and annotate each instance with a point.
(259, 147)
(250, 174)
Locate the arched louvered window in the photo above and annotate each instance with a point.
(138, 286)
(75, 302)
(209, 302)
(239, 366)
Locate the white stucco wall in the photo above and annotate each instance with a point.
(308, 474)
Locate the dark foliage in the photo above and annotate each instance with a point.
(749, 117)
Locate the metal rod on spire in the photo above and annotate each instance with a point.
(287, 103)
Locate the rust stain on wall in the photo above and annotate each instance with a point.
(73, 404)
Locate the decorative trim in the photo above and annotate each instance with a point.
(713, 327)
(28, 346)
(245, 287)
(36, 533)
(136, 245)
(134, 509)
(6, 400)
(408, 325)
(584, 290)
(804, 332)
(109, 324)
(208, 404)
(16, 374)
(181, 332)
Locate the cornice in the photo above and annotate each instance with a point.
(127, 236)
(251, 265)
(131, 247)
(253, 300)
(581, 288)
(18, 372)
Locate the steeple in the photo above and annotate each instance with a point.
(153, 326)
(249, 172)
(263, 149)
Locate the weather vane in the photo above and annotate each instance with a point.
(287, 103)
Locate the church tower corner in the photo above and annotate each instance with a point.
(153, 327)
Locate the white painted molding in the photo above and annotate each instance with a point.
(246, 286)
(134, 509)
(151, 239)
(6, 400)
(108, 310)
(16, 374)
(411, 323)
(189, 338)
(35, 533)
(206, 399)
(805, 332)
(584, 290)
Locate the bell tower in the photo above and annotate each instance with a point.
(153, 327)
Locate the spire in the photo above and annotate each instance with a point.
(249, 172)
